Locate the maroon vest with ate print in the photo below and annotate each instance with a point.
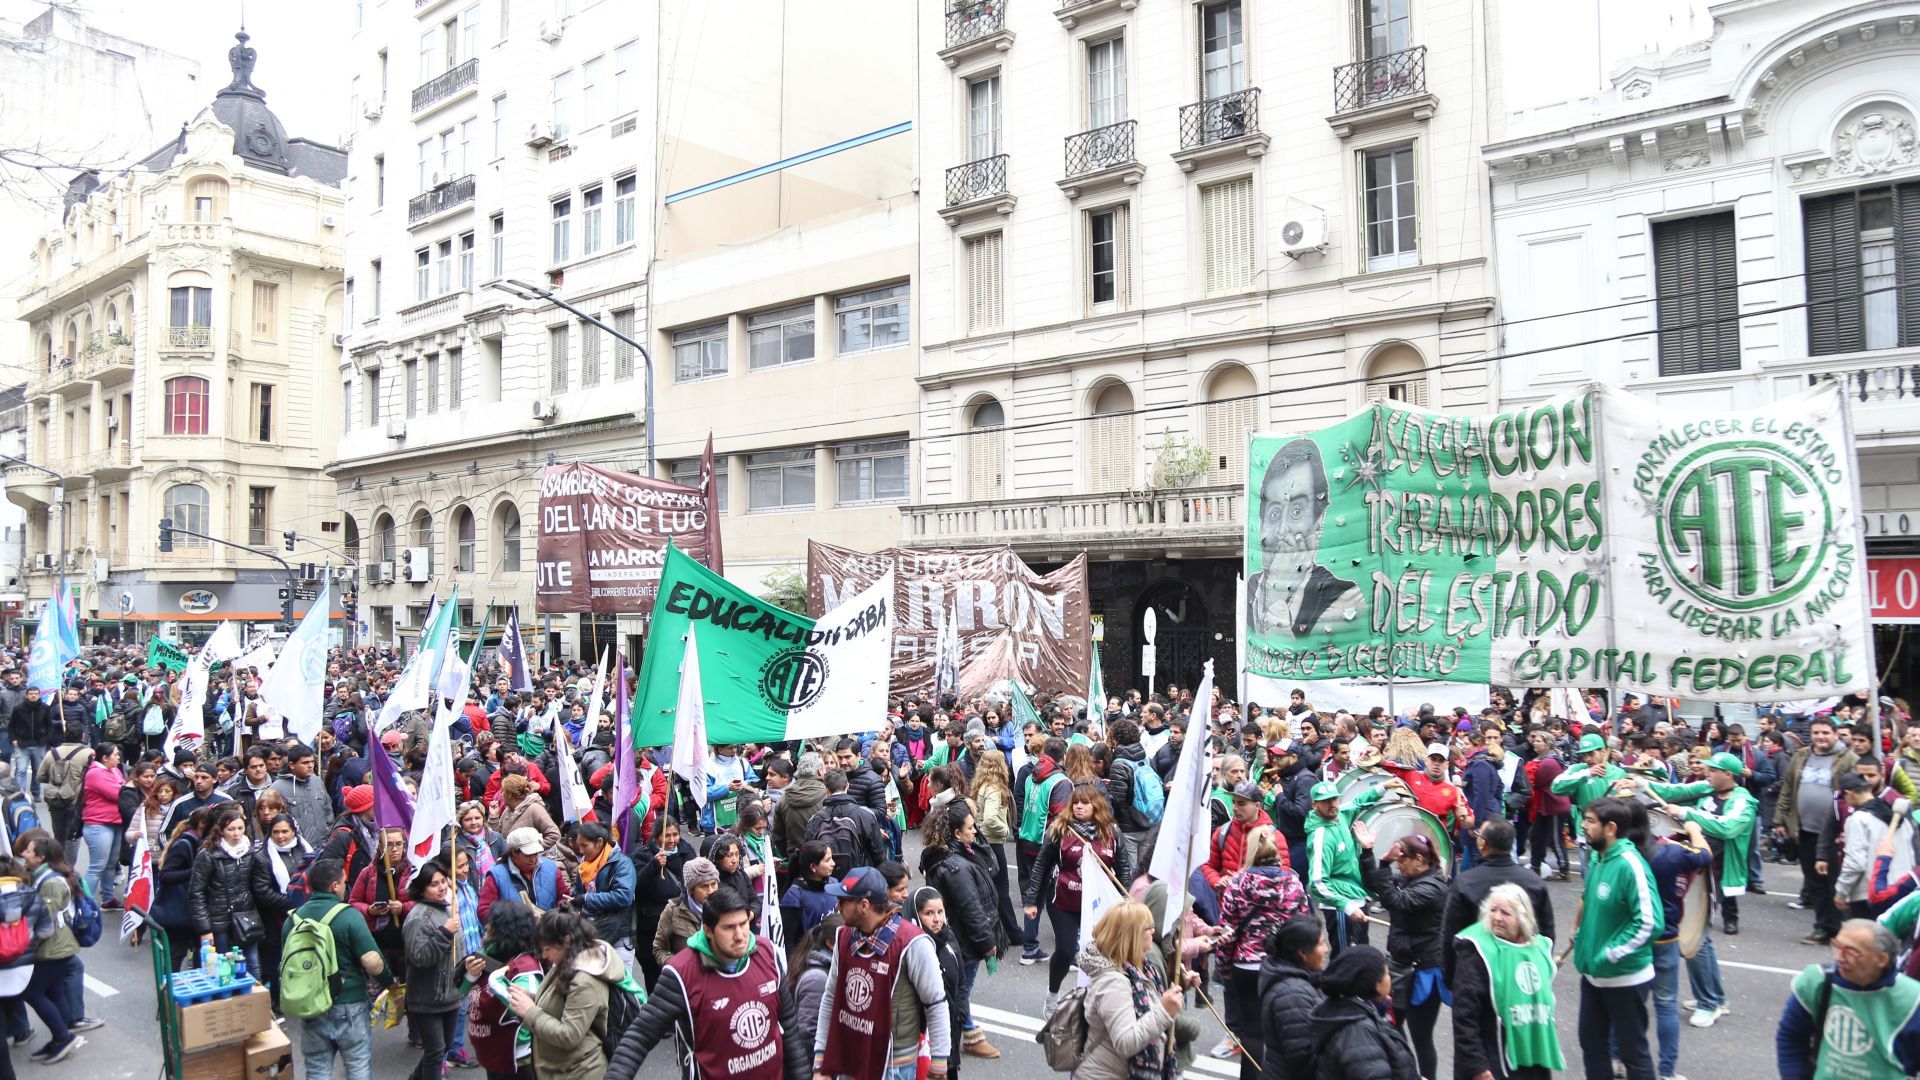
(735, 1019)
(861, 1039)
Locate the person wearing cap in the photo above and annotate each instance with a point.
(527, 875)
(1226, 851)
(884, 990)
(1334, 883)
(1726, 812)
(1593, 778)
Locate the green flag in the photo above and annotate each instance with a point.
(166, 654)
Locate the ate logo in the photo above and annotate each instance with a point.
(1743, 525)
(859, 990)
(793, 679)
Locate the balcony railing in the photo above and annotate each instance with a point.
(190, 337)
(1380, 79)
(439, 199)
(1101, 148)
(1197, 515)
(446, 84)
(1221, 119)
(974, 20)
(981, 179)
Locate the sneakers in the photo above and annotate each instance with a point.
(1031, 955)
(86, 1023)
(1223, 1049)
(57, 1052)
(1704, 1018)
(1797, 904)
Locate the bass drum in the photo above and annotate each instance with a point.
(1392, 821)
(1354, 781)
(1696, 912)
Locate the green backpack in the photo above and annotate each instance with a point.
(309, 966)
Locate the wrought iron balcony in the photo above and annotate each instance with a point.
(1380, 79)
(440, 198)
(981, 179)
(1221, 119)
(972, 20)
(446, 84)
(190, 337)
(1101, 148)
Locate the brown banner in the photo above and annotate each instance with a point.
(1012, 621)
(603, 537)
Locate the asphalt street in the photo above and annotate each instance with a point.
(1756, 965)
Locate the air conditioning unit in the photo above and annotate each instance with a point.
(113, 423)
(550, 31)
(540, 133)
(328, 221)
(100, 570)
(1304, 231)
(113, 328)
(370, 110)
(416, 563)
(396, 429)
(339, 341)
(545, 409)
(44, 562)
(380, 573)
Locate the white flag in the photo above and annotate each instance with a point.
(293, 688)
(1098, 894)
(594, 690)
(690, 724)
(1173, 856)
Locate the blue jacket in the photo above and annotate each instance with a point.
(609, 897)
(1674, 865)
(1480, 780)
(1793, 1039)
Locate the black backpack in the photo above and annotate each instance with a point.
(842, 835)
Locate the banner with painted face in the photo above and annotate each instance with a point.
(1594, 540)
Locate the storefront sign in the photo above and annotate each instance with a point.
(1895, 585)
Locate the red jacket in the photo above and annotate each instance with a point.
(1228, 851)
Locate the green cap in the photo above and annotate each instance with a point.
(1324, 790)
(1590, 742)
(1727, 763)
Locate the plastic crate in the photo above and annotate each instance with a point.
(194, 987)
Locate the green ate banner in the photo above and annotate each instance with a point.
(1593, 540)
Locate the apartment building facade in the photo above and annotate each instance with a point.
(181, 315)
(1150, 228)
(1731, 222)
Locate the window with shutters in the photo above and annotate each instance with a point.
(1392, 227)
(1106, 268)
(1226, 419)
(1110, 440)
(1863, 259)
(987, 451)
(1226, 215)
(557, 359)
(589, 355)
(623, 352)
(983, 259)
(1696, 294)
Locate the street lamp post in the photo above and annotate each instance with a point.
(524, 291)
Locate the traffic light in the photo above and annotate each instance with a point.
(288, 537)
(166, 534)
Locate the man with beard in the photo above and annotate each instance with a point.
(1293, 593)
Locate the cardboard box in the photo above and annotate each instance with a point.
(269, 1053)
(220, 1063)
(229, 1020)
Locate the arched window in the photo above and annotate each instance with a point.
(1225, 422)
(1111, 446)
(206, 199)
(463, 540)
(1394, 374)
(384, 540)
(186, 506)
(987, 450)
(422, 529)
(506, 525)
(186, 405)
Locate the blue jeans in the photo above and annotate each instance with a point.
(103, 860)
(1703, 975)
(345, 1029)
(1666, 1003)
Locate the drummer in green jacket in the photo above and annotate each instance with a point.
(1593, 778)
(1725, 810)
(1334, 884)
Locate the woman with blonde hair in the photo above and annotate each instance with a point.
(1257, 899)
(1085, 823)
(1129, 1007)
(1503, 970)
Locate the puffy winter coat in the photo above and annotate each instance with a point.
(967, 887)
(221, 886)
(1353, 1041)
(1288, 995)
(1417, 911)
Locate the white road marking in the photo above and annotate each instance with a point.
(99, 988)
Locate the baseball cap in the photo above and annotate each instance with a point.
(526, 841)
(1726, 762)
(865, 883)
(1249, 790)
(1437, 750)
(1324, 790)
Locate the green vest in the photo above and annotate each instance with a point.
(1521, 978)
(1858, 1041)
(1033, 814)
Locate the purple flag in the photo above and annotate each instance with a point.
(392, 806)
(626, 780)
(513, 655)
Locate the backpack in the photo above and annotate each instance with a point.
(1149, 796)
(67, 781)
(841, 834)
(309, 966)
(1063, 1038)
(86, 923)
(623, 1011)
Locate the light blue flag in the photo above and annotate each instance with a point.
(56, 645)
